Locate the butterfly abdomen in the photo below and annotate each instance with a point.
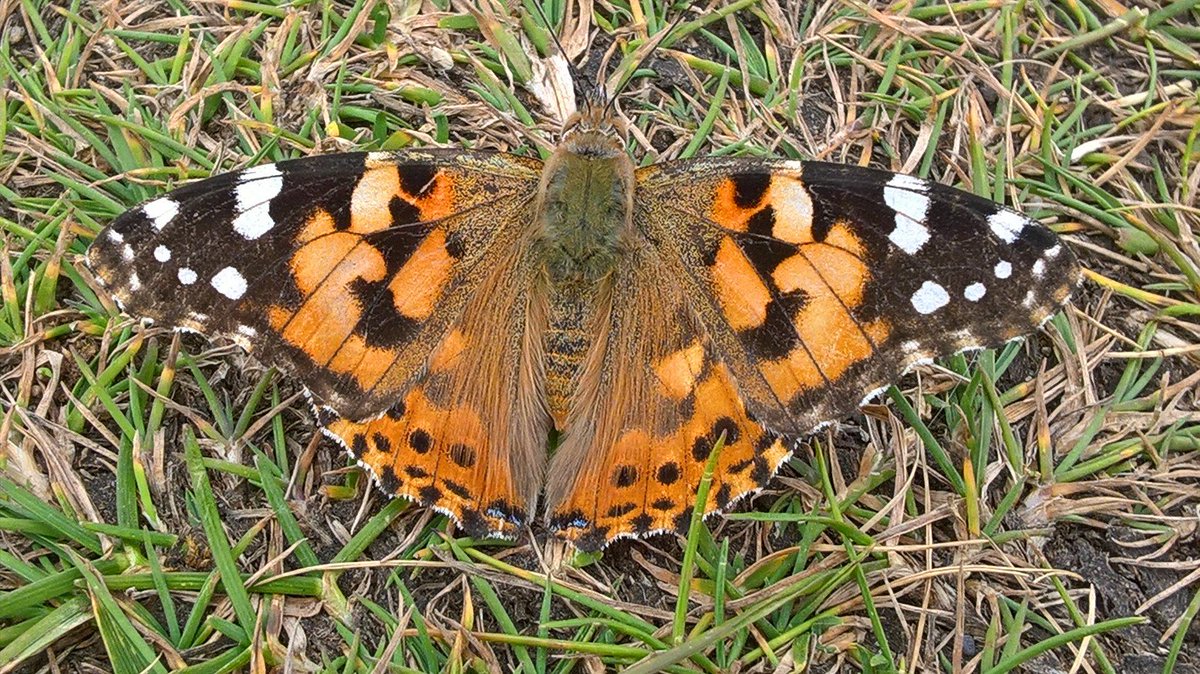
(568, 337)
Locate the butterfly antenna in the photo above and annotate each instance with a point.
(576, 76)
(658, 40)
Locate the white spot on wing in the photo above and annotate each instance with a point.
(908, 235)
(1053, 251)
(1030, 299)
(134, 281)
(230, 283)
(910, 183)
(127, 253)
(161, 212)
(186, 276)
(115, 236)
(793, 210)
(975, 292)
(247, 331)
(257, 187)
(162, 253)
(1039, 268)
(259, 172)
(1003, 269)
(930, 297)
(906, 196)
(1007, 224)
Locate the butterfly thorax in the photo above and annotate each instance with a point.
(584, 210)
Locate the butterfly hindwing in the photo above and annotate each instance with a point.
(820, 283)
(345, 268)
(468, 437)
(650, 406)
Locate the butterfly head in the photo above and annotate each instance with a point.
(594, 130)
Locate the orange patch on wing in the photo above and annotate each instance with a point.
(367, 363)
(677, 372)
(420, 283)
(742, 294)
(632, 445)
(320, 224)
(645, 482)
(793, 208)
(370, 205)
(833, 279)
(323, 326)
(841, 236)
(278, 316)
(725, 210)
(792, 374)
(435, 455)
(790, 203)
(823, 271)
(438, 201)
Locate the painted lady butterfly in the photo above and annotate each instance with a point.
(447, 309)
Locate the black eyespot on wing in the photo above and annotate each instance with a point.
(621, 509)
(382, 443)
(727, 427)
(723, 496)
(420, 441)
(429, 495)
(668, 473)
(641, 523)
(389, 481)
(462, 455)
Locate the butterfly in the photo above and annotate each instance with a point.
(449, 310)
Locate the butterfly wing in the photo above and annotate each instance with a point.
(653, 400)
(809, 286)
(821, 283)
(345, 268)
(469, 435)
(352, 271)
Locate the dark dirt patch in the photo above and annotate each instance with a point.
(1120, 588)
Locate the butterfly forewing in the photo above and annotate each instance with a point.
(345, 268)
(820, 283)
